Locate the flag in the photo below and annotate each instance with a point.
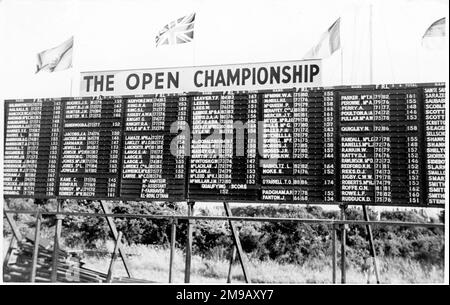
(328, 43)
(434, 35)
(179, 31)
(57, 58)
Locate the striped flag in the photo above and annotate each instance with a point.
(179, 31)
(328, 43)
(57, 58)
(434, 35)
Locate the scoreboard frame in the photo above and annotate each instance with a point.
(187, 192)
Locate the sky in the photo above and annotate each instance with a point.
(111, 35)
(120, 34)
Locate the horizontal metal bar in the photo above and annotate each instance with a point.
(236, 218)
(299, 203)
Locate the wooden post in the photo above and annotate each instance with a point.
(14, 227)
(232, 259)
(16, 239)
(113, 258)
(36, 247)
(187, 270)
(56, 242)
(343, 242)
(371, 244)
(112, 227)
(11, 247)
(173, 233)
(237, 242)
(334, 252)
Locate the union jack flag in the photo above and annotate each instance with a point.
(179, 31)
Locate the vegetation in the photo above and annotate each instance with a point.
(405, 252)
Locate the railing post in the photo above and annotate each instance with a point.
(112, 227)
(109, 277)
(14, 228)
(371, 244)
(237, 243)
(343, 242)
(173, 234)
(56, 243)
(334, 252)
(187, 270)
(10, 250)
(36, 247)
(232, 259)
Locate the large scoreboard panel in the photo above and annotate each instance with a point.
(92, 131)
(377, 145)
(31, 147)
(380, 156)
(151, 168)
(298, 150)
(223, 157)
(110, 147)
(434, 119)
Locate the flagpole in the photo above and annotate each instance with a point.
(75, 44)
(71, 83)
(73, 60)
(342, 65)
(193, 53)
(194, 40)
(72, 68)
(370, 46)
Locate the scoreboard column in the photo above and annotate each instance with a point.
(244, 162)
(299, 159)
(47, 165)
(31, 143)
(90, 148)
(380, 154)
(434, 103)
(152, 167)
(21, 147)
(314, 147)
(205, 144)
(357, 149)
(277, 147)
(224, 145)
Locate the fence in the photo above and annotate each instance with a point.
(334, 223)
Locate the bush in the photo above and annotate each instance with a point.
(284, 242)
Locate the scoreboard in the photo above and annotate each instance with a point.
(375, 145)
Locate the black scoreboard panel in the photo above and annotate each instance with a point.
(121, 148)
(434, 116)
(377, 145)
(380, 157)
(92, 131)
(31, 147)
(276, 164)
(154, 158)
(223, 157)
(298, 162)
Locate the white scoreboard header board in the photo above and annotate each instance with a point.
(237, 77)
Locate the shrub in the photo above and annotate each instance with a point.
(285, 242)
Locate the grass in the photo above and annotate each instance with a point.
(152, 263)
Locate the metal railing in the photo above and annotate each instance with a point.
(336, 224)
